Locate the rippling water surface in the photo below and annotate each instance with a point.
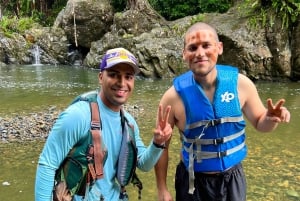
(272, 165)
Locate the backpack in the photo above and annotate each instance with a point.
(79, 171)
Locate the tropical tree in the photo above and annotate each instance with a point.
(41, 10)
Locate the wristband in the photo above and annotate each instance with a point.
(161, 146)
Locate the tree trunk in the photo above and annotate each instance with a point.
(144, 6)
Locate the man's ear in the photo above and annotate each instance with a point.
(220, 46)
(100, 76)
(183, 55)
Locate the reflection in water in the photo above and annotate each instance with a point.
(272, 165)
(39, 73)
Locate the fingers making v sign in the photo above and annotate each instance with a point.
(163, 130)
(277, 112)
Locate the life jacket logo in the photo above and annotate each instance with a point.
(227, 97)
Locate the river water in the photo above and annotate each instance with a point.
(272, 165)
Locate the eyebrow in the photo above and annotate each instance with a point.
(116, 71)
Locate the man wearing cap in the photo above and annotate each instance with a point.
(117, 73)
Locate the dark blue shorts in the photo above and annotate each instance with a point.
(226, 186)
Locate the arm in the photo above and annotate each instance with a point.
(161, 170)
(61, 139)
(263, 119)
(162, 133)
(161, 167)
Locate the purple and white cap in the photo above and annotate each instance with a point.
(116, 56)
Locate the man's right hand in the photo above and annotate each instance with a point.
(164, 196)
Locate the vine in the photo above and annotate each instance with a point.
(74, 22)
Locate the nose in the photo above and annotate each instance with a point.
(121, 80)
(200, 52)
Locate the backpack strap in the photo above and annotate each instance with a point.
(126, 171)
(95, 151)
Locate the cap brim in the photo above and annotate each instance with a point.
(135, 67)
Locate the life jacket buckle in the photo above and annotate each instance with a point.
(222, 154)
(214, 122)
(218, 141)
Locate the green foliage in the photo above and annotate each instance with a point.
(14, 25)
(287, 10)
(197, 18)
(9, 25)
(45, 12)
(173, 10)
(219, 6)
(42, 11)
(118, 5)
(265, 12)
(179, 11)
(25, 6)
(25, 24)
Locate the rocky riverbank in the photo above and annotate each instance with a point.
(35, 126)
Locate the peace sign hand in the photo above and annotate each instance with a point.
(163, 130)
(277, 113)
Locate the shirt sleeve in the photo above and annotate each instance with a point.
(69, 128)
(147, 156)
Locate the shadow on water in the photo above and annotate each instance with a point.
(272, 166)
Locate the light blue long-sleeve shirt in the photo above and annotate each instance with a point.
(74, 124)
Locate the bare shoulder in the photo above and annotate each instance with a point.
(246, 89)
(244, 80)
(250, 101)
(245, 85)
(170, 97)
(177, 114)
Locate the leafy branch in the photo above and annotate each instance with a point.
(267, 11)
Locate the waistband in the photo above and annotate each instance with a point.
(226, 172)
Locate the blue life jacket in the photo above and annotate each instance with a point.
(214, 135)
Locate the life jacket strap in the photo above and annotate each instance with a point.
(201, 141)
(214, 122)
(191, 169)
(205, 155)
(199, 155)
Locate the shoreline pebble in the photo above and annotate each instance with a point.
(29, 127)
(36, 126)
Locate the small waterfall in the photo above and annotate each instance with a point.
(36, 55)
